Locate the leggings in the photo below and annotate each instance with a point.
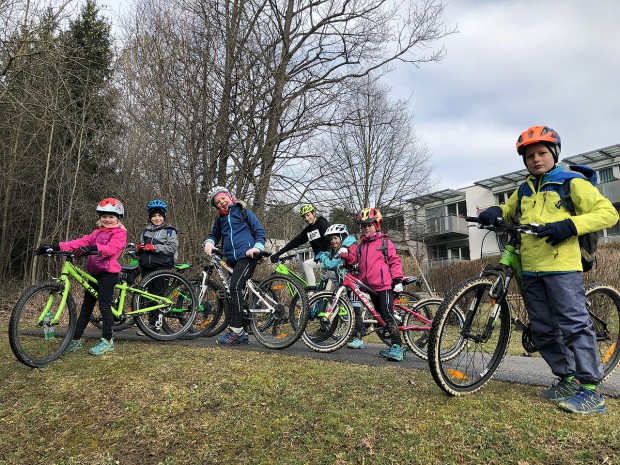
(242, 271)
(105, 288)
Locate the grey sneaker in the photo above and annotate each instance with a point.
(74, 345)
(561, 391)
(585, 402)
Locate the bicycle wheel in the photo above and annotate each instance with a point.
(36, 344)
(321, 335)
(603, 304)
(481, 342)
(209, 311)
(278, 312)
(120, 323)
(171, 322)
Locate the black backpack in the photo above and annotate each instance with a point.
(587, 242)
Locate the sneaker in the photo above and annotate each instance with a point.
(103, 347)
(231, 338)
(356, 343)
(586, 401)
(74, 345)
(396, 353)
(562, 390)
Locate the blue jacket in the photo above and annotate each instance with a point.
(237, 235)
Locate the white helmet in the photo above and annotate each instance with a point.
(217, 190)
(111, 205)
(339, 229)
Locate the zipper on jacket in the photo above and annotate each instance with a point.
(231, 235)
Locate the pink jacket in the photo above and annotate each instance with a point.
(374, 271)
(109, 241)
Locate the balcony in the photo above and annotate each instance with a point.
(611, 190)
(446, 228)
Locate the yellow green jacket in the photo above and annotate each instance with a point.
(541, 205)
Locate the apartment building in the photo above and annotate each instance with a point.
(436, 220)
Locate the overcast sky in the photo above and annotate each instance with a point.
(516, 64)
(513, 64)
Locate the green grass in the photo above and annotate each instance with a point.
(165, 404)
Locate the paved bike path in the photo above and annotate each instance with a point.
(521, 370)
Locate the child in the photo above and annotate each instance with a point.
(243, 238)
(380, 271)
(340, 240)
(552, 272)
(109, 240)
(158, 247)
(314, 233)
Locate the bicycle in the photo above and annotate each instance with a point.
(44, 318)
(332, 318)
(276, 310)
(489, 322)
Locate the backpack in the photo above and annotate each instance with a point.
(587, 242)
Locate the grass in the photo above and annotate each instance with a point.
(170, 405)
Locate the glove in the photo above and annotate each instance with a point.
(84, 250)
(43, 249)
(209, 246)
(489, 216)
(140, 248)
(274, 257)
(343, 252)
(317, 258)
(253, 252)
(149, 248)
(557, 232)
(398, 288)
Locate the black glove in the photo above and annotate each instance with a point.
(274, 257)
(85, 250)
(558, 231)
(43, 249)
(489, 216)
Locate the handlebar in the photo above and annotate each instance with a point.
(260, 256)
(500, 225)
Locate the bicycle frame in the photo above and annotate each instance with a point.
(85, 280)
(354, 284)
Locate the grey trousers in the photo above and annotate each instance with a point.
(561, 325)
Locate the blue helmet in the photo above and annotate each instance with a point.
(157, 205)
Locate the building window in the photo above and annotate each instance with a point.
(456, 209)
(502, 197)
(605, 175)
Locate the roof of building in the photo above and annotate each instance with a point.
(439, 196)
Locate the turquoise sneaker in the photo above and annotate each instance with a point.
(74, 345)
(562, 390)
(396, 353)
(356, 343)
(103, 347)
(585, 402)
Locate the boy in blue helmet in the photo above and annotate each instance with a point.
(552, 271)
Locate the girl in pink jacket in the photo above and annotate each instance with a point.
(381, 270)
(107, 242)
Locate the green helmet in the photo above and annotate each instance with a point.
(307, 208)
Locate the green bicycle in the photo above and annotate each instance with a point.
(44, 318)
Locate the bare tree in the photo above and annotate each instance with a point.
(375, 157)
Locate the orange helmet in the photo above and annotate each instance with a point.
(370, 216)
(540, 134)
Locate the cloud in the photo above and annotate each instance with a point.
(514, 65)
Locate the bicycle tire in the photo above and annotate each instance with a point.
(603, 304)
(477, 359)
(282, 327)
(209, 311)
(121, 323)
(27, 339)
(324, 336)
(173, 321)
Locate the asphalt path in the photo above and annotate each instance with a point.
(520, 370)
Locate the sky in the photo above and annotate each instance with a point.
(513, 64)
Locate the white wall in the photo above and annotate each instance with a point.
(476, 196)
